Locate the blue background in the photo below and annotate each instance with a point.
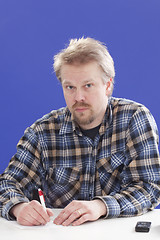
(33, 31)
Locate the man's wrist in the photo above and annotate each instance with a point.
(102, 207)
(14, 210)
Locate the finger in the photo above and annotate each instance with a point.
(75, 215)
(40, 213)
(84, 218)
(27, 220)
(39, 218)
(67, 212)
(64, 214)
(49, 212)
(24, 222)
(35, 214)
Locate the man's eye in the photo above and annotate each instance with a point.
(69, 87)
(88, 85)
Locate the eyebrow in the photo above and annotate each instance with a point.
(67, 82)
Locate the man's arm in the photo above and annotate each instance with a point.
(22, 175)
(140, 177)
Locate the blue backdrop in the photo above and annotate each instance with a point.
(32, 31)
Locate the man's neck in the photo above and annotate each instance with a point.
(91, 133)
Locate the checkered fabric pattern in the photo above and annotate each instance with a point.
(121, 166)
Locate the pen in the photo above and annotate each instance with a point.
(41, 197)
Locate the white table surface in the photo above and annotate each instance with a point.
(103, 229)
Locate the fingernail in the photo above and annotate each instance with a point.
(57, 221)
(64, 224)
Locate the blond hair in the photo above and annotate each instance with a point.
(82, 51)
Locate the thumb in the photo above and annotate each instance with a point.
(49, 212)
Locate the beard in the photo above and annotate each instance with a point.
(81, 118)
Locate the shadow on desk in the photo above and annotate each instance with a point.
(156, 229)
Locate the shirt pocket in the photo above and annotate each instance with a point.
(63, 185)
(63, 175)
(109, 170)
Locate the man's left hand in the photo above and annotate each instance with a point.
(78, 212)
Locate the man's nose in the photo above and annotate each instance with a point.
(79, 95)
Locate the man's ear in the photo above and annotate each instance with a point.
(109, 87)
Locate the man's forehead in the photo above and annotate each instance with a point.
(88, 71)
(77, 66)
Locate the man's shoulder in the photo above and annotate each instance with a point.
(125, 108)
(56, 117)
(123, 103)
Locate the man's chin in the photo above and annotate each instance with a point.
(82, 121)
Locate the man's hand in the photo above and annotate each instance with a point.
(32, 213)
(78, 212)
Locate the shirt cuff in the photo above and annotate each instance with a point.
(6, 209)
(113, 207)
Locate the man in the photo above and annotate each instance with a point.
(97, 157)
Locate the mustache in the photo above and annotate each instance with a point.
(76, 105)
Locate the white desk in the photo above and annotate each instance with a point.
(114, 229)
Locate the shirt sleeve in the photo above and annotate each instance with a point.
(140, 178)
(22, 175)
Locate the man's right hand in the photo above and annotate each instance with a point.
(31, 214)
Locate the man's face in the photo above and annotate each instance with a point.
(85, 93)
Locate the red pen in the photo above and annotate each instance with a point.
(41, 197)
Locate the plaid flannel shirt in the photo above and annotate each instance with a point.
(121, 166)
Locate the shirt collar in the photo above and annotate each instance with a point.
(69, 125)
(107, 120)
